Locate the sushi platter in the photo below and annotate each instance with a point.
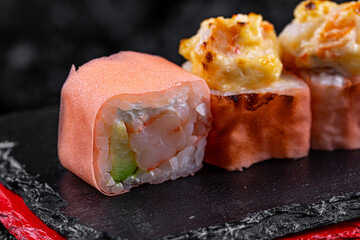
(261, 134)
(268, 200)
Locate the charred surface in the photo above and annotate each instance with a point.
(250, 101)
(253, 101)
(234, 98)
(288, 100)
(310, 5)
(256, 101)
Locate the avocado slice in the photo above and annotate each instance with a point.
(121, 154)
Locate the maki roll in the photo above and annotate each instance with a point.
(259, 111)
(132, 118)
(322, 46)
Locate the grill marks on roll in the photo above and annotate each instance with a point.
(253, 101)
(252, 127)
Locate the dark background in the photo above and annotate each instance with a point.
(40, 39)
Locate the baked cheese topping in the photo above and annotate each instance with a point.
(323, 34)
(234, 53)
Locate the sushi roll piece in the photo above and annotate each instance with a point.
(322, 46)
(259, 111)
(132, 118)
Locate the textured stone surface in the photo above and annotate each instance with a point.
(41, 199)
(283, 220)
(4, 234)
(270, 199)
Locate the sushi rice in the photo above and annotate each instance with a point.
(166, 132)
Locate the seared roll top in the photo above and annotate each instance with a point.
(323, 34)
(233, 54)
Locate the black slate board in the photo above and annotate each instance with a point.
(4, 234)
(298, 194)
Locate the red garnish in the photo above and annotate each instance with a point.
(347, 230)
(20, 221)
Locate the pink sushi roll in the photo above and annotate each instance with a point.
(321, 45)
(130, 119)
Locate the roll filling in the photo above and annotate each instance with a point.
(151, 138)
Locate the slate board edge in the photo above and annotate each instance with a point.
(5, 234)
(280, 221)
(41, 198)
(266, 224)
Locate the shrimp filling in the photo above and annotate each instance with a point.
(151, 139)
